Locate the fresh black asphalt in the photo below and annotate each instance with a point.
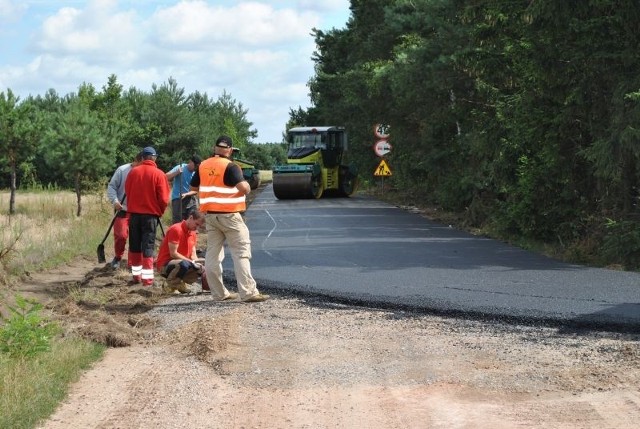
(365, 251)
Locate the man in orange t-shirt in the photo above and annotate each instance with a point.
(177, 259)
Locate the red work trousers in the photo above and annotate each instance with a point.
(120, 234)
(142, 240)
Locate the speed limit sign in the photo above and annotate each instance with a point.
(381, 131)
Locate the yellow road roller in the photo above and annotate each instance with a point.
(249, 171)
(315, 165)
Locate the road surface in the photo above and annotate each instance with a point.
(364, 250)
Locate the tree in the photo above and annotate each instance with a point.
(18, 136)
(79, 146)
(117, 118)
(234, 120)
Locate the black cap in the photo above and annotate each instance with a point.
(224, 142)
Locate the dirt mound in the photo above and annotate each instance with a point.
(209, 340)
(103, 307)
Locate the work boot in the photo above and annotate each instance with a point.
(256, 298)
(167, 289)
(183, 288)
(231, 297)
(115, 263)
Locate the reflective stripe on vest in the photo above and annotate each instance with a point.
(213, 194)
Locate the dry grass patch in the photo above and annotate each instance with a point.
(266, 176)
(103, 308)
(45, 230)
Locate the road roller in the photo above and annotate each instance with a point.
(249, 171)
(315, 165)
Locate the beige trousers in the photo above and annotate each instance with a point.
(229, 228)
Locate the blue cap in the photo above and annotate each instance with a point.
(149, 151)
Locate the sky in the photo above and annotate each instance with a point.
(258, 51)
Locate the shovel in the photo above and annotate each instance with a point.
(101, 256)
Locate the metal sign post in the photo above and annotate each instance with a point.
(381, 148)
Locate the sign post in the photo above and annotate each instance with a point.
(382, 147)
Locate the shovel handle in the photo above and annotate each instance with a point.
(110, 226)
(124, 197)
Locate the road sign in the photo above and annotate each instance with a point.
(381, 131)
(382, 169)
(382, 147)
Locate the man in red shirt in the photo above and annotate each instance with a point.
(177, 259)
(147, 192)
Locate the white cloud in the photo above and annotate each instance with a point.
(257, 51)
(196, 24)
(11, 10)
(99, 33)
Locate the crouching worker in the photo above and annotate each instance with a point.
(177, 261)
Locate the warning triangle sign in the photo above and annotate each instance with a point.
(382, 169)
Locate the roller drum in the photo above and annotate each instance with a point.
(295, 185)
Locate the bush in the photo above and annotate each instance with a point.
(622, 243)
(25, 333)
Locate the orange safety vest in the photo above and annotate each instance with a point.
(214, 195)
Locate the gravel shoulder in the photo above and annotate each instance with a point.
(296, 362)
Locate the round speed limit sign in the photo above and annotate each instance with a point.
(381, 131)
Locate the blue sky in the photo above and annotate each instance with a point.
(257, 51)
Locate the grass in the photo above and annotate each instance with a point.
(266, 176)
(31, 389)
(45, 232)
(97, 298)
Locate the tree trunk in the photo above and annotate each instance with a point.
(78, 196)
(12, 196)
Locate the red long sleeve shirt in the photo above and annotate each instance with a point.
(147, 189)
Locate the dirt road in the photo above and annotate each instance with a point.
(295, 362)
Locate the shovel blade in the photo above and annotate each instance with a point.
(101, 256)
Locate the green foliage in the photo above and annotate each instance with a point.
(524, 115)
(79, 146)
(19, 130)
(621, 243)
(265, 155)
(50, 139)
(25, 334)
